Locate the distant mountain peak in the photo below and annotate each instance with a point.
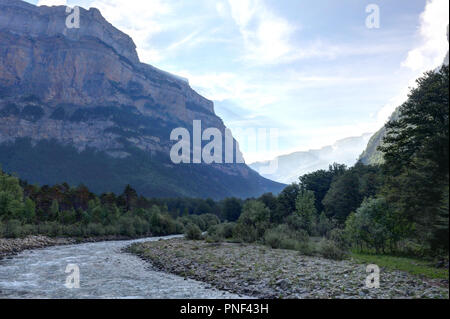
(294, 165)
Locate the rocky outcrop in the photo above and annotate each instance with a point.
(86, 88)
(49, 69)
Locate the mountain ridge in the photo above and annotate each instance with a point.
(292, 166)
(371, 155)
(84, 92)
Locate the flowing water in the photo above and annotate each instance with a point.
(105, 272)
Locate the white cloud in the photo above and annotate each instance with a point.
(427, 56)
(433, 32)
(52, 3)
(140, 19)
(266, 35)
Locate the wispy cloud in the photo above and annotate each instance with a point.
(141, 19)
(428, 55)
(433, 37)
(266, 36)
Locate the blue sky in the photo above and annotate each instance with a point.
(311, 69)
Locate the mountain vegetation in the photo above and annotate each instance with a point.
(400, 207)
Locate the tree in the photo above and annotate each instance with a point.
(232, 209)
(11, 197)
(130, 197)
(320, 181)
(253, 222)
(306, 210)
(343, 197)
(54, 209)
(440, 239)
(270, 201)
(285, 204)
(376, 224)
(416, 153)
(324, 224)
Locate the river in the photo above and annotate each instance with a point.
(104, 271)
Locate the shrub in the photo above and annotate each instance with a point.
(28, 230)
(253, 222)
(209, 220)
(73, 231)
(13, 229)
(95, 229)
(227, 230)
(338, 237)
(284, 237)
(218, 233)
(330, 250)
(242, 233)
(193, 232)
(126, 226)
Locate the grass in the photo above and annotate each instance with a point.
(410, 265)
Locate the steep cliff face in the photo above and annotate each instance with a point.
(85, 89)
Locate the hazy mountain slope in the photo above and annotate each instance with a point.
(371, 154)
(292, 166)
(77, 105)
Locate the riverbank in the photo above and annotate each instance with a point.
(263, 272)
(13, 246)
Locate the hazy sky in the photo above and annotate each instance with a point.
(311, 69)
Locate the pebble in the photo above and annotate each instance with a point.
(269, 273)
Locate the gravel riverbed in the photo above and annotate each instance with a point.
(262, 272)
(13, 246)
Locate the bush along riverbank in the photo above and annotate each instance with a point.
(263, 272)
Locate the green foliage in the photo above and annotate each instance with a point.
(348, 190)
(49, 162)
(324, 225)
(284, 237)
(285, 204)
(376, 225)
(193, 232)
(416, 152)
(64, 211)
(220, 232)
(412, 265)
(306, 210)
(331, 250)
(253, 222)
(320, 181)
(232, 209)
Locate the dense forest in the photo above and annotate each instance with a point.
(398, 207)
